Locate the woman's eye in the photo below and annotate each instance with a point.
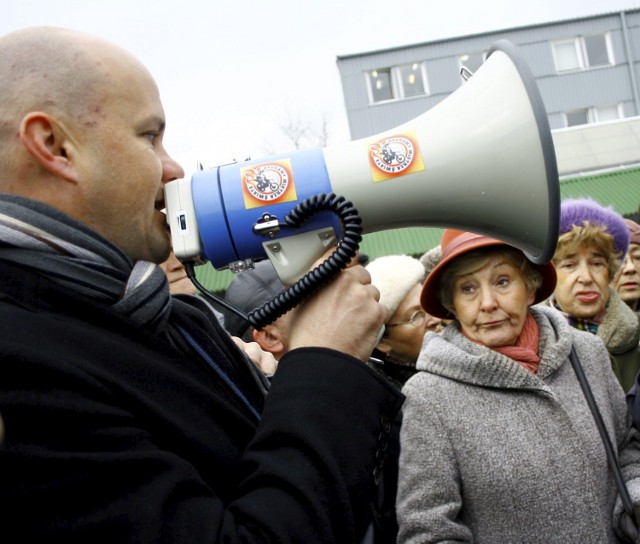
(502, 282)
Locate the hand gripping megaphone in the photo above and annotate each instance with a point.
(481, 160)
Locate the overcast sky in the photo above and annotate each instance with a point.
(230, 73)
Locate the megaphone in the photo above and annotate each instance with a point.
(482, 160)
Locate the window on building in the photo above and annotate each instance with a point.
(397, 82)
(595, 114)
(582, 53)
(597, 50)
(576, 117)
(411, 79)
(380, 84)
(607, 113)
(471, 61)
(567, 55)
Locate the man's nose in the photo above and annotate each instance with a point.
(171, 170)
(627, 266)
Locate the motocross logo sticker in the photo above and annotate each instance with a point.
(395, 156)
(268, 183)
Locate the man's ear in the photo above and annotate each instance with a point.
(269, 339)
(48, 143)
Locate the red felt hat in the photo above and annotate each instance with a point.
(455, 243)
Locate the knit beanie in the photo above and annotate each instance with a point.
(634, 230)
(576, 212)
(251, 289)
(395, 276)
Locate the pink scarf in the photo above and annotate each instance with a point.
(525, 351)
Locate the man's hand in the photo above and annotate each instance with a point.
(344, 315)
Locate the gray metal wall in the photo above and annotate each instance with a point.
(560, 92)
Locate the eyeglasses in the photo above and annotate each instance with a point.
(417, 320)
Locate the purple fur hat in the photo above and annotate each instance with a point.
(578, 211)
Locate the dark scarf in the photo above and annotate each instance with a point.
(395, 371)
(47, 241)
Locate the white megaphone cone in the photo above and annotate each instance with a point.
(481, 160)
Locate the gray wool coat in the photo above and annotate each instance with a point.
(491, 452)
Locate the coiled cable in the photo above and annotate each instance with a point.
(311, 282)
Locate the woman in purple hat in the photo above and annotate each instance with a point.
(592, 244)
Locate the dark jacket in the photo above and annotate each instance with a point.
(112, 435)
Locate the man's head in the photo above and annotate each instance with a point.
(249, 290)
(81, 128)
(627, 280)
(593, 240)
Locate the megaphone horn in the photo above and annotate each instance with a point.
(481, 160)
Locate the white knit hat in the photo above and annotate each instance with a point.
(395, 276)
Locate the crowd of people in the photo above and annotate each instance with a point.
(413, 399)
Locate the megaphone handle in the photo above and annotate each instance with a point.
(312, 281)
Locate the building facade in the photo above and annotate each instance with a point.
(587, 70)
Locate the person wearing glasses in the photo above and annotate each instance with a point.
(399, 279)
(627, 281)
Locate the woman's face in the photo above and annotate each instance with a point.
(582, 289)
(403, 338)
(491, 304)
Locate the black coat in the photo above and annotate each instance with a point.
(114, 436)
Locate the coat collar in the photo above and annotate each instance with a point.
(452, 355)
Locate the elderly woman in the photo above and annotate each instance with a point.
(399, 279)
(627, 280)
(592, 244)
(497, 442)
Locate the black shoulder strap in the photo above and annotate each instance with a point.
(611, 458)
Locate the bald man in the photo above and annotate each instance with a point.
(130, 415)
